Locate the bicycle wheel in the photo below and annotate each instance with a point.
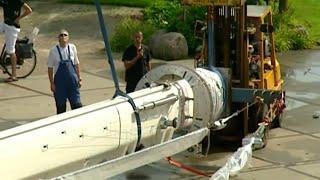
(24, 66)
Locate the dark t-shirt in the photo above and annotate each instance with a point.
(139, 69)
(11, 10)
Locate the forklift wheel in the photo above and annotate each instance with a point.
(266, 136)
(262, 112)
(277, 121)
(256, 115)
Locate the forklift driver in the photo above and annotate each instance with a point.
(198, 57)
(254, 63)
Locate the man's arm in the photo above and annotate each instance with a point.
(149, 66)
(76, 63)
(129, 64)
(50, 64)
(50, 75)
(26, 11)
(77, 67)
(149, 59)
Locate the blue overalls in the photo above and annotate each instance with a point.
(67, 84)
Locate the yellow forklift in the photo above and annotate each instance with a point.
(238, 40)
(261, 39)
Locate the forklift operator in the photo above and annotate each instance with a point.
(254, 63)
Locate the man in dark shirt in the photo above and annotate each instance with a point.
(136, 59)
(11, 28)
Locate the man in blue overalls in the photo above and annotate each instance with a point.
(64, 73)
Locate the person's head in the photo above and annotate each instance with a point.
(250, 49)
(138, 36)
(63, 37)
(198, 52)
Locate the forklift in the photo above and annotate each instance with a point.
(238, 40)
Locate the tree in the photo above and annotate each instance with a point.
(283, 6)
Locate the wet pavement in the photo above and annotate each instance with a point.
(302, 78)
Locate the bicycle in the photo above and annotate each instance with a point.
(26, 57)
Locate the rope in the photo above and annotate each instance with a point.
(186, 167)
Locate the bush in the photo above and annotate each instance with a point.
(282, 39)
(289, 34)
(173, 17)
(125, 30)
(300, 41)
(163, 14)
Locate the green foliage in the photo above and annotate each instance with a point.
(124, 32)
(289, 34)
(163, 14)
(301, 39)
(173, 17)
(282, 39)
(133, 3)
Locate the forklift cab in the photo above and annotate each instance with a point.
(264, 68)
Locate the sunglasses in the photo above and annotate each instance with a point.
(61, 35)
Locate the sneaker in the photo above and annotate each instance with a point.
(11, 79)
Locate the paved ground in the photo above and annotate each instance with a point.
(292, 152)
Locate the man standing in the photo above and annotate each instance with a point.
(136, 60)
(11, 28)
(64, 73)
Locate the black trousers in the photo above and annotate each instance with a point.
(131, 86)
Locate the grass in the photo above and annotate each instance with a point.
(132, 3)
(308, 11)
